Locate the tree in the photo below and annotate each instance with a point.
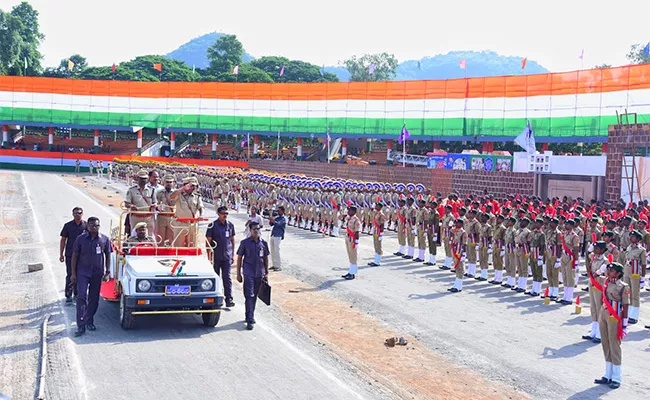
(602, 66)
(247, 73)
(62, 71)
(225, 54)
(31, 40)
(172, 70)
(11, 43)
(384, 67)
(294, 71)
(636, 56)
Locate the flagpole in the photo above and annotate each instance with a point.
(278, 152)
(328, 147)
(248, 145)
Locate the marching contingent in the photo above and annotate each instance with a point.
(519, 236)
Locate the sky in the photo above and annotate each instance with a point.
(551, 32)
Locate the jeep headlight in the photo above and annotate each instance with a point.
(144, 285)
(207, 285)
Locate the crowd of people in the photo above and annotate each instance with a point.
(501, 240)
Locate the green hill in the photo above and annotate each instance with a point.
(194, 51)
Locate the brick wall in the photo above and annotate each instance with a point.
(439, 180)
(618, 139)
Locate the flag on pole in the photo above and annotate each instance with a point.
(523, 62)
(404, 135)
(113, 68)
(462, 64)
(158, 67)
(646, 50)
(25, 63)
(193, 68)
(322, 71)
(235, 71)
(526, 139)
(419, 66)
(70, 65)
(282, 71)
(371, 68)
(582, 54)
(329, 138)
(244, 142)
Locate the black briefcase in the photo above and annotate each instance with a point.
(264, 293)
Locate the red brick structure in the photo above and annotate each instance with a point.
(621, 140)
(439, 180)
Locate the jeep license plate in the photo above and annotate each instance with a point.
(177, 290)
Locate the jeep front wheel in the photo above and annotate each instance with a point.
(127, 320)
(211, 319)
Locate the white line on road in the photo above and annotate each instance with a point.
(71, 350)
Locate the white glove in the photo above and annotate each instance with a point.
(451, 224)
(540, 262)
(591, 248)
(435, 238)
(356, 241)
(557, 265)
(503, 252)
(413, 231)
(380, 237)
(602, 270)
(463, 257)
(489, 250)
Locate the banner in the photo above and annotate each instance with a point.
(436, 162)
(457, 161)
(490, 163)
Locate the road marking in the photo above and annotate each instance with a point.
(273, 333)
(72, 350)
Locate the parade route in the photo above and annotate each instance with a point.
(323, 338)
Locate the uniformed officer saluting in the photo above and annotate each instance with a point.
(613, 323)
(90, 264)
(253, 255)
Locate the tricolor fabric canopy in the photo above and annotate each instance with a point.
(573, 106)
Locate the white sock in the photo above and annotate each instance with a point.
(411, 251)
(544, 271)
(484, 273)
(608, 370)
(522, 283)
(577, 278)
(336, 231)
(471, 270)
(353, 269)
(616, 373)
(448, 262)
(401, 249)
(498, 275)
(458, 284)
(421, 254)
(377, 259)
(511, 280)
(560, 277)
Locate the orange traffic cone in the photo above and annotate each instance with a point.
(547, 300)
(578, 306)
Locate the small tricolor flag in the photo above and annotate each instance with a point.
(582, 54)
(282, 71)
(70, 65)
(646, 50)
(523, 62)
(177, 268)
(235, 71)
(462, 64)
(158, 67)
(113, 68)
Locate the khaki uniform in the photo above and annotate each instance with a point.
(589, 241)
(624, 242)
(553, 253)
(133, 241)
(421, 217)
(537, 246)
(498, 246)
(187, 206)
(472, 238)
(522, 240)
(634, 269)
(432, 226)
(618, 293)
(353, 225)
(164, 228)
(143, 199)
(569, 260)
(447, 220)
(378, 220)
(401, 225)
(410, 226)
(511, 257)
(484, 240)
(458, 243)
(597, 267)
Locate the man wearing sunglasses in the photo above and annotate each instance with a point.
(71, 230)
(221, 242)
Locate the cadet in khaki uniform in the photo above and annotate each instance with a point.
(458, 242)
(624, 239)
(141, 200)
(401, 227)
(188, 205)
(536, 259)
(592, 231)
(498, 249)
(613, 323)
(411, 228)
(471, 226)
(421, 217)
(484, 240)
(378, 221)
(447, 225)
(164, 228)
(634, 269)
(510, 256)
(353, 226)
(570, 243)
(553, 254)
(522, 252)
(597, 269)
(432, 226)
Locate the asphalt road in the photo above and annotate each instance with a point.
(164, 357)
